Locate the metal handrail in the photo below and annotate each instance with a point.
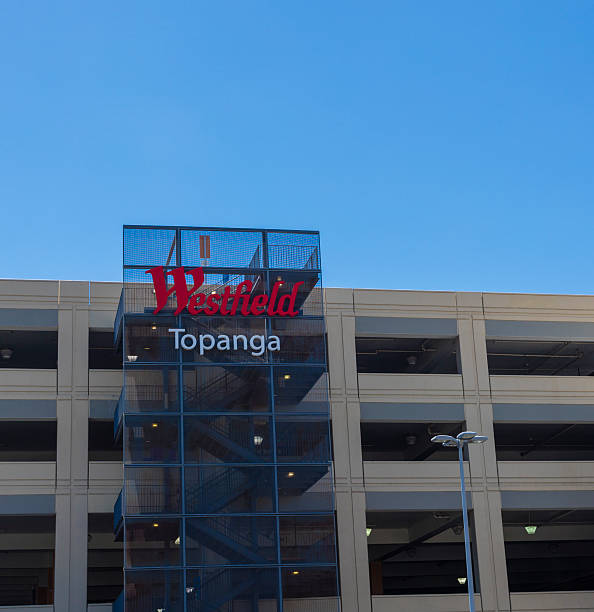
(117, 510)
(117, 325)
(286, 256)
(118, 604)
(118, 414)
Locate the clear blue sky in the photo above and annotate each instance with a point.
(435, 145)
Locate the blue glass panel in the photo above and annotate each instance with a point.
(227, 439)
(305, 488)
(153, 542)
(226, 389)
(301, 389)
(307, 539)
(232, 589)
(153, 590)
(151, 439)
(152, 490)
(229, 489)
(223, 540)
(151, 389)
(302, 340)
(302, 438)
(317, 586)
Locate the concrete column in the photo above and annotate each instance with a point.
(483, 466)
(72, 455)
(346, 428)
(62, 556)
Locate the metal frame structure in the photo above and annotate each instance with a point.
(204, 452)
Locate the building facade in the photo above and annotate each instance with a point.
(402, 367)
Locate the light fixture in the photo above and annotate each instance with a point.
(132, 357)
(177, 541)
(368, 531)
(290, 474)
(6, 353)
(258, 440)
(410, 439)
(279, 279)
(147, 348)
(442, 439)
(153, 327)
(295, 572)
(155, 524)
(531, 529)
(155, 425)
(462, 440)
(287, 377)
(189, 589)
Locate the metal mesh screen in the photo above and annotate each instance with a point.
(221, 248)
(293, 250)
(149, 247)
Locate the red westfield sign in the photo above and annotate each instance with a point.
(228, 303)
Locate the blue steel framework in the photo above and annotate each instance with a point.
(228, 500)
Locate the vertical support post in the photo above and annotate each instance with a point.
(265, 250)
(469, 576)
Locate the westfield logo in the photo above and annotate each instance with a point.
(239, 301)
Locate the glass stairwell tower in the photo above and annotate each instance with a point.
(227, 502)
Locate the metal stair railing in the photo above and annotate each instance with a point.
(237, 440)
(302, 447)
(218, 491)
(150, 497)
(219, 536)
(218, 590)
(293, 256)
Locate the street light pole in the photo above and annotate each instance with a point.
(469, 574)
(460, 442)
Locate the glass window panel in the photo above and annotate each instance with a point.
(151, 439)
(151, 389)
(152, 490)
(242, 347)
(148, 591)
(153, 542)
(227, 439)
(301, 340)
(229, 489)
(148, 339)
(228, 389)
(313, 584)
(305, 488)
(222, 540)
(232, 589)
(307, 539)
(302, 438)
(300, 389)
